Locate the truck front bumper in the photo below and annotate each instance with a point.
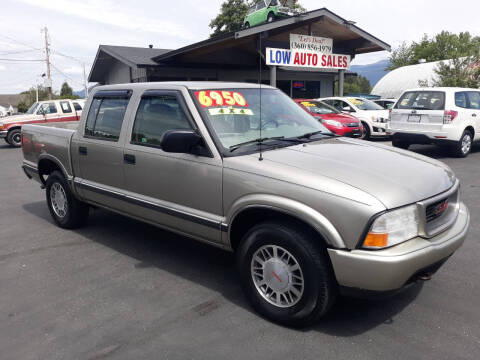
(3, 133)
(392, 268)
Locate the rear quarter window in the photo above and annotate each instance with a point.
(422, 100)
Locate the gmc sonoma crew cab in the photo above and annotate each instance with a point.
(41, 112)
(307, 213)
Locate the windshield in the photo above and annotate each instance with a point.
(422, 100)
(32, 108)
(234, 115)
(318, 107)
(365, 104)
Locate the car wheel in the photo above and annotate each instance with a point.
(67, 211)
(247, 25)
(365, 132)
(14, 138)
(286, 277)
(6, 140)
(463, 147)
(270, 17)
(400, 144)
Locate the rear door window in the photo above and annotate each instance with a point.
(105, 117)
(66, 108)
(422, 100)
(461, 99)
(474, 100)
(156, 115)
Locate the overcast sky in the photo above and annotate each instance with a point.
(77, 27)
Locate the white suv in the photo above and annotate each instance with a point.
(374, 118)
(443, 116)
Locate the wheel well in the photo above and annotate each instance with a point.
(271, 13)
(13, 128)
(46, 167)
(248, 218)
(472, 131)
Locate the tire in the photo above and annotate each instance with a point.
(400, 144)
(14, 138)
(270, 17)
(247, 25)
(313, 297)
(366, 132)
(66, 210)
(463, 147)
(6, 140)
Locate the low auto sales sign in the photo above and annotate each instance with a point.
(308, 52)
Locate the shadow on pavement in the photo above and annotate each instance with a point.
(438, 152)
(215, 268)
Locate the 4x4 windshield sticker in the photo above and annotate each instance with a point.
(308, 104)
(356, 101)
(230, 111)
(209, 98)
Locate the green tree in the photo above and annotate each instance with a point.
(66, 91)
(31, 96)
(459, 72)
(443, 46)
(22, 107)
(233, 12)
(355, 85)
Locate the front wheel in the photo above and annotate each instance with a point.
(270, 17)
(286, 276)
(67, 211)
(247, 25)
(463, 147)
(365, 132)
(14, 138)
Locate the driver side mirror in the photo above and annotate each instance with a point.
(347, 109)
(184, 142)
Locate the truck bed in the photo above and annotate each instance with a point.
(47, 142)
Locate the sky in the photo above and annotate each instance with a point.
(76, 28)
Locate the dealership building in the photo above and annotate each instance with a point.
(237, 56)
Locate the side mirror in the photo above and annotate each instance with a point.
(347, 109)
(183, 142)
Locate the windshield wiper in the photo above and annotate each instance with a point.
(309, 135)
(260, 141)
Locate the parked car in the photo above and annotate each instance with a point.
(334, 120)
(40, 112)
(385, 103)
(373, 117)
(442, 116)
(265, 11)
(307, 213)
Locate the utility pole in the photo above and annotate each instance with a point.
(47, 53)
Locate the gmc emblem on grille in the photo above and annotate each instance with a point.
(440, 208)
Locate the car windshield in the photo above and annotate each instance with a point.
(318, 107)
(32, 108)
(422, 100)
(365, 104)
(236, 114)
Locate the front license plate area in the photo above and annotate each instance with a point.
(414, 118)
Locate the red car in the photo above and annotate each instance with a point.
(334, 120)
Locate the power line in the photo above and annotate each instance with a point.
(16, 52)
(62, 73)
(22, 59)
(19, 42)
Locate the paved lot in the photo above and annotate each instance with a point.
(121, 289)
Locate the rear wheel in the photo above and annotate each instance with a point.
(14, 138)
(270, 17)
(400, 144)
(6, 140)
(67, 211)
(365, 132)
(286, 277)
(463, 147)
(247, 25)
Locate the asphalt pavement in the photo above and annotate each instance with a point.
(121, 289)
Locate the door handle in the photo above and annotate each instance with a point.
(82, 150)
(129, 159)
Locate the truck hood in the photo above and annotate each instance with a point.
(17, 119)
(393, 176)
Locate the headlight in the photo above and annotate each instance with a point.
(333, 123)
(1, 126)
(392, 228)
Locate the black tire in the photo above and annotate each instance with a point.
(463, 147)
(6, 140)
(319, 284)
(75, 212)
(270, 17)
(400, 144)
(247, 25)
(366, 132)
(14, 138)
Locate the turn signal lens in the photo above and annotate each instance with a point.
(376, 240)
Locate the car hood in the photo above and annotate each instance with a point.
(343, 118)
(376, 113)
(393, 176)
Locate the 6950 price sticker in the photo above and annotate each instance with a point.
(208, 98)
